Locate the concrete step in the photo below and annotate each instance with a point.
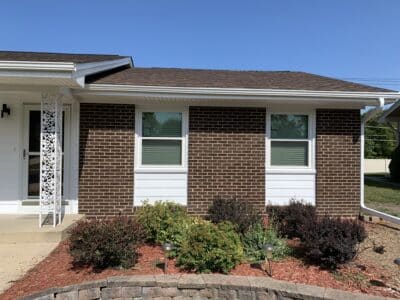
(25, 229)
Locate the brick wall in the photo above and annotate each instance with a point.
(106, 159)
(226, 156)
(338, 162)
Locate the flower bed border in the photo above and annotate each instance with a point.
(205, 286)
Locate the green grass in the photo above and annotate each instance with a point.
(383, 196)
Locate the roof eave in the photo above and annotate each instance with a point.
(53, 73)
(243, 92)
(386, 116)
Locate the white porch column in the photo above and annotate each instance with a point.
(51, 157)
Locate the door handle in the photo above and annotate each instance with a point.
(24, 153)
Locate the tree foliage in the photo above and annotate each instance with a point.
(380, 139)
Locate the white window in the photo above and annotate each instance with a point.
(290, 140)
(161, 138)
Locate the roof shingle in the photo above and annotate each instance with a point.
(282, 80)
(56, 57)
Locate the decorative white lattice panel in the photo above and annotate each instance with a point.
(51, 157)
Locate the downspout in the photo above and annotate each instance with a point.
(368, 115)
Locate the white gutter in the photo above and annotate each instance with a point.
(167, 90)
(370, 114)
(37, 66)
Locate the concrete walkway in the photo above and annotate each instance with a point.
(23, 244)
(17, 258)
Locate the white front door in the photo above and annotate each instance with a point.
(31, 154)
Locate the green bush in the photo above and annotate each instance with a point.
(161, 220)
(394, 165)
(240, 213)
(290, 219)
(211, 248)
(106, 243)
(257, 236)
(330, 242)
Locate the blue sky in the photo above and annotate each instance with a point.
(340, 38)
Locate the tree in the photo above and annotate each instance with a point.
(380, 139)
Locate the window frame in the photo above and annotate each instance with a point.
(311, 142)
(139, 138)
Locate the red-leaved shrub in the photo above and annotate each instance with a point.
(106, 243)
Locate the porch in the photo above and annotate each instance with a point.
(24, 229)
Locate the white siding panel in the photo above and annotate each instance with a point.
(281, 188)
(163, 186)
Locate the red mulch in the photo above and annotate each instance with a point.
(57, 270)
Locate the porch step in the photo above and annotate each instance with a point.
(25, 229)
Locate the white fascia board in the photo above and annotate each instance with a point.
(37, 66)
(228, 93)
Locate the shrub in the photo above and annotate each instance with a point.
(330, 242)
(106, 243)
(240, 213)
(257, 236)
(211, 248)
(161, 220)
(290, 219)
(394, 165)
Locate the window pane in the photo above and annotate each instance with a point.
(34, 131)
(289, 153)
(289, 126)
(161, 152)
(162, 124)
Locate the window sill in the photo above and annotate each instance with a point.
(161, 170)
(290, 171)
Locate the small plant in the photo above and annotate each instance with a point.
(290, 219)
(211, 248)
(106, 243)
(162, 220)
(240, 213)
(256, 237)
(380, 249)
(330, 242)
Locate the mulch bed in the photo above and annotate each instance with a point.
(57, 270)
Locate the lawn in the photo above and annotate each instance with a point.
(382, 194)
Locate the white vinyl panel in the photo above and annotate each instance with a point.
(162, 176)
(298, 184)
(285, 200)
(160, 186)
(293, 193)
(167, 183)
(289, 177)
(281, 188)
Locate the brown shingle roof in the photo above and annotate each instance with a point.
(55, 57)
(284, 80)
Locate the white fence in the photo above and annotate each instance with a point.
(376, 166)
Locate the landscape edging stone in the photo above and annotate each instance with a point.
(191, 286)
